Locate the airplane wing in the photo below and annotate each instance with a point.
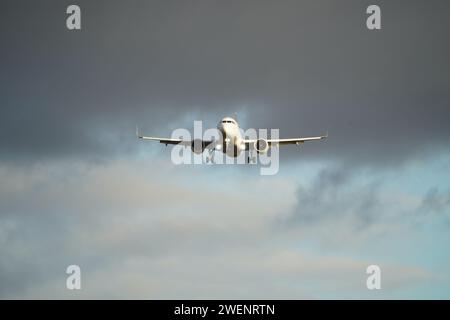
(282, 142)
(166, 141)
(297, 141)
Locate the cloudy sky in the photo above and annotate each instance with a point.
(76, 187)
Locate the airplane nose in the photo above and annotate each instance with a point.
(222, 130)
(226, 130)
(224, 127)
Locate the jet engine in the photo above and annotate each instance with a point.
(197, 146)
(261, 146)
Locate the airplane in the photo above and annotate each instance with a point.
(232, 143)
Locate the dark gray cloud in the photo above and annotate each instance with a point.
(360, 199)
(435, 202)
(336, 194)
(301, 66)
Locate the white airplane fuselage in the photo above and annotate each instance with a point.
(233, 143)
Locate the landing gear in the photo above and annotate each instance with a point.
(210, 156)
(251, 159)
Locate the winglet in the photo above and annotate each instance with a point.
(137, 132)
(326, 135)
